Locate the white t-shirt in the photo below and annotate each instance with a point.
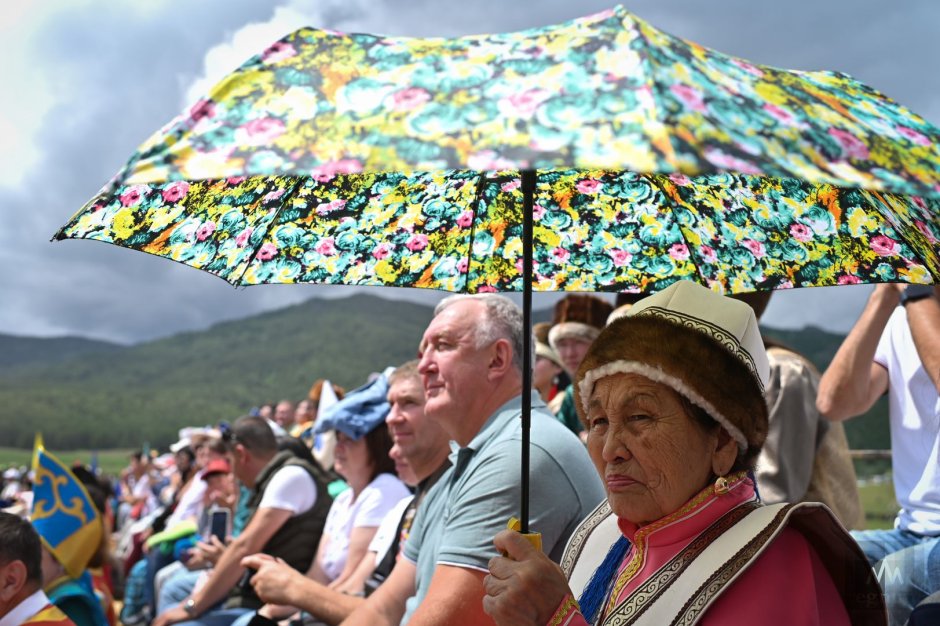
(190, 503)
(385, 535)
(291, 489)
(914, 410)
(368, 510)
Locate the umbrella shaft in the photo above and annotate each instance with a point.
(528, 201)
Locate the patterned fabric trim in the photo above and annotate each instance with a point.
(568, 607)
(639, 539)
(713, 587)
(717, 333)
(637, 602)
(580, 536)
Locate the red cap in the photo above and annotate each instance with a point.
(216, 466)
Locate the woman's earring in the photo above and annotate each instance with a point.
(722, 486)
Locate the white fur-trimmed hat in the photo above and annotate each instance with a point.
(578, 316)
(706, 347)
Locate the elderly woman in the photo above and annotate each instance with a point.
(671, 398)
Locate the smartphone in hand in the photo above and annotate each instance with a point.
(220, 523)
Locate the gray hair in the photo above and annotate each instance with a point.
(503, 320)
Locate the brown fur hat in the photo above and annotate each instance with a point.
(578, 316)
(704, 346)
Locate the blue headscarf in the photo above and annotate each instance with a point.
(360, 411)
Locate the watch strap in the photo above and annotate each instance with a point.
(912, 293)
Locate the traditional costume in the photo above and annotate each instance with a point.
(35, 610)
(722, 558)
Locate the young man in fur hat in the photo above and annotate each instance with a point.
(578, 321)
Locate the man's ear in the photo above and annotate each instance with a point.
(725, 453)
(500, 358)
(12, 580)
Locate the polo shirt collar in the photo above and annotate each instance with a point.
(512, 409)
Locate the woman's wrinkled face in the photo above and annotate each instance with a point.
(650, 453)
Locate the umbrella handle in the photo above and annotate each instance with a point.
(533, 538)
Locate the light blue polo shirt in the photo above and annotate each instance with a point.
(475, 498)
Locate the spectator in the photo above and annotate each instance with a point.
(896, 349)
(322, 395)
(284, 414)
(361, 458)
(548, 373)
(99, 565)
(137, 496)
(805, 457)
(578, 321)
(22, 600)
(471, 368)
(289, 505)
(304, 416)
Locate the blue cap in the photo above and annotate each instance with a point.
(360, 411)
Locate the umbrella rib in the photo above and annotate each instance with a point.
(477, 197)
(652, 180)
(284, 199)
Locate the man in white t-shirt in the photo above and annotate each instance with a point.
(896, 349)
(288, 505)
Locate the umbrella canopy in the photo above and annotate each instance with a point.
(450, 164)
(259, 181)
(461, 230)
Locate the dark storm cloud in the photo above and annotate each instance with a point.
(121, 71)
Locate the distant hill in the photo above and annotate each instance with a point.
(147, 392)
(87, 394)
(16, 352)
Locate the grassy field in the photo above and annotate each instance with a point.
(110, 461)
(879, 503)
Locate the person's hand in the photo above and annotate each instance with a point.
(208, 551)
(273, 579)
(524, 588)
(172, 616)
(889, 291)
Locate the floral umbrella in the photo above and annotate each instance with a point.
(597, 146)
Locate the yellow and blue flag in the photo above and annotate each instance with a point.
(63, 513)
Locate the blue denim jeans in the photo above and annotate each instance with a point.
(907, 566)
(222, 617)
(176, 589)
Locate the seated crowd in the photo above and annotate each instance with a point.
(678, 460)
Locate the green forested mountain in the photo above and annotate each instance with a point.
(16, 352)
(147, 392)
(86, 394)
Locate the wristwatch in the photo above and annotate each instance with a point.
(190, 607)
(912, 293)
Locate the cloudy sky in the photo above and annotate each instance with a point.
(85, 81)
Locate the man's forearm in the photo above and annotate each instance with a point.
(923, 317)
(844, 389)
(325, 604)
(368, 614)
